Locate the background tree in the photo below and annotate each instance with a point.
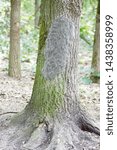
(54, 109)
(37, 12)
(14, 54)
(96, 49)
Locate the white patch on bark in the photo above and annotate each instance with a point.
(58, 45)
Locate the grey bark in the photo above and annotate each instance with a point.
(57, 51)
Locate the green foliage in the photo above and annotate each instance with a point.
(28, 34)
(88, 18)
(86, 80)
(28, 6)
(89, 76)
(85, 77)
(4, 25)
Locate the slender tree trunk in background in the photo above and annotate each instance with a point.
(53, 118)
(14, 54)
(96, 50)
(37, 13)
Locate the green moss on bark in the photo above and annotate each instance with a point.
(47, 95)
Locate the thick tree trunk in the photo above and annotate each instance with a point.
(53, 119)
(14, 54)
(57, 84)
(37, 13)
(96, 50)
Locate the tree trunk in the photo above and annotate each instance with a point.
(95, 75)
(56, 76)
(53, 119)
(37, 13)
(14, 54)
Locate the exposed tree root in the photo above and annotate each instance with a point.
(87, 125)
(16, 131)
(65, 136)
(30, 134)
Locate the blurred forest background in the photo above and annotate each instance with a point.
(14, 94)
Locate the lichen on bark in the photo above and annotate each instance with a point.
(58, 44)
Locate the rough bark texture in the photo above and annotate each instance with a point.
(53, 119)
(37, 13)
(57, 65)
(96, 49)
(14, 54)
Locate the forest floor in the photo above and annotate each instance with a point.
(15, 94)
